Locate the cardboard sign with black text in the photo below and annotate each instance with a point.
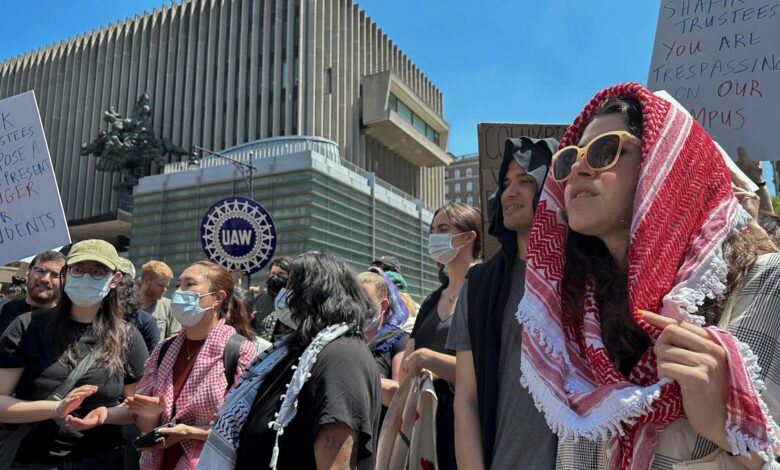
(491, 138)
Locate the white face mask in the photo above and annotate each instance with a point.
(440, 247)
(374, 322)
(85, 291)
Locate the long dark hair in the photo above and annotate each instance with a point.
(323, 292)
(588, 258)
(232, 309)
(109, 331)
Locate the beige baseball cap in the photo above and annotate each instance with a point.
(94, 250)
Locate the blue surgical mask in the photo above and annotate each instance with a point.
(185, 307)
(86, 291)
(440, 247)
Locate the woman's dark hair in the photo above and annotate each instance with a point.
(129, 295)
(109, 331)
(282, 262)
(232, 309)
(770, 223)
(323, 292)
(588, 258)
(246, 297)
(465, 218)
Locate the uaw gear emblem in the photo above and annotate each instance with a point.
(238, 234)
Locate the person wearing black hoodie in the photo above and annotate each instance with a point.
(497, 425)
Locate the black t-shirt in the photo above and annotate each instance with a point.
(146, 324)
(384, 353)
(429, 330)
(12, 309)
(30, 344)
(344, 387)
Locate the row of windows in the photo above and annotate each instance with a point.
(469, 187)
(469, 200)
(412, 118)
(468, 172)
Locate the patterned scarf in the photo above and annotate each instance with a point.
(222, 444)
(683, 211)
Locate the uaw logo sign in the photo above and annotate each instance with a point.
(239, 234)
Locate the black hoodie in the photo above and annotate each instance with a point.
(489, 283)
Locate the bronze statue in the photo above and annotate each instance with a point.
(129, 145)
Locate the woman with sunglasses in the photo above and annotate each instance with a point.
(647, 299)
(41, 348)
(454, 243)
(185, 378)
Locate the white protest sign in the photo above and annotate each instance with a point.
(31, 215)
(721, 60)
(735, 171)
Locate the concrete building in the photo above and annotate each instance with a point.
(226, 72)
(317, 201)
(461, 181)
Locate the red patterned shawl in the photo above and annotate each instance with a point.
(683, 211)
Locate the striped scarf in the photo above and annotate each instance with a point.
(683, 211)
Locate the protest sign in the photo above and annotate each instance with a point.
(491, 138)
(721, 60)
(31, 215)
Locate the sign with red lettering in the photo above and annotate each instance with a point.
(721, 60)
(31, 216)
(490, 140)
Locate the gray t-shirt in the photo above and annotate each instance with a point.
(523, 439)
(161, 311)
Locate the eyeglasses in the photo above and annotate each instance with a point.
(43, 272)
(600, 154)
(97, 272)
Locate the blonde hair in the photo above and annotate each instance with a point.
(154, 269)
(375, 280)
(411, 305)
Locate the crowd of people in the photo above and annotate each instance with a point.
(629, 320)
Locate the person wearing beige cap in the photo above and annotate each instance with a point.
(81, 356)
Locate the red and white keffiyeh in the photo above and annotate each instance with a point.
(683, 211)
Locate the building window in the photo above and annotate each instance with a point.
(457, 187)
(469, 186)
(446, 189)
(457, 200)
(457, 174)
(470, 200)
(469, 172)
(393, 103)
(328, 80)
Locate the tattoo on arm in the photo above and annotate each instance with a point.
(331, 443)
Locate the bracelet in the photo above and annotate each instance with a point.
(761, 184)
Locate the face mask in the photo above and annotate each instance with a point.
(185, 307)
(85, 291)
(374, 322)
(440, 247)
(283, 310)
(275, 283)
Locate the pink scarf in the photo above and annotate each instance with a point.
(683, 211)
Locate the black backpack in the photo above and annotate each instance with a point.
(229, 358)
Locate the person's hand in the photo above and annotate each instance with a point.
(752, 169)
(174, 435)
(145, 406)
(73, 400)
(687, 354)
(748, 200)
(94, 418)
(415, 362)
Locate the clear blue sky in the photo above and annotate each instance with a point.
(525, 61)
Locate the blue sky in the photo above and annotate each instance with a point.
(525, 61)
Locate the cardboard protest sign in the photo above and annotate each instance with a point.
(31, 215)
(721, 60)
(491, 138)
